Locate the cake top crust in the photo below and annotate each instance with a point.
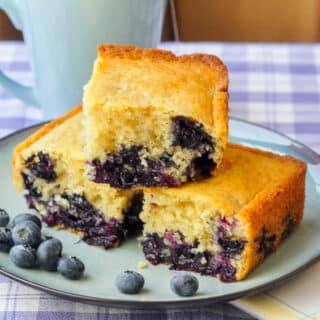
(125, 76)
(211, 62)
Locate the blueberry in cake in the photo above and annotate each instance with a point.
(49, 167)
(226, 225)
(153, 118)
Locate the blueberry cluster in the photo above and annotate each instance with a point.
(41, 166)
(230, 247)
(82, 216)
(28, 248)
(183, 256)
(189, 134)
(125, 169)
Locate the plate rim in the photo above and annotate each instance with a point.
(166, 304)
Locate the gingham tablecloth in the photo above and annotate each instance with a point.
(276, 85)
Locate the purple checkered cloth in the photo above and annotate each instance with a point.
(276, 85)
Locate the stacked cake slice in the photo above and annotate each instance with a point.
(154, 119)
(149, 150)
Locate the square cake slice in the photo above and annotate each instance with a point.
(227, 225)
(49, 167)
(153, 118)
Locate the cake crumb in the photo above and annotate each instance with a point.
(142, 265)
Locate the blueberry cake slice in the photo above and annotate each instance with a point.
(153, 118)
(226, 225)
(49, 167)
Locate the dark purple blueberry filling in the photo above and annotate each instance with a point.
(182, 256)
(29, 186)
(190, 134)
(107, 234)
(266, 242)
(82, 216)
(152, 247)
(200, 167)
(125, 170)
(230, 247)
(42, 168)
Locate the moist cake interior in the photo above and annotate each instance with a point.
(52, 173)
(153, 149)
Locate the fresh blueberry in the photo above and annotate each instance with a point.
(26, 232)
(190, 134)
(130, 282)
(4, 218)
(184, 285)
(71, 267)
(26, 216)
(6, 242)
(23, 256)
(49, 253)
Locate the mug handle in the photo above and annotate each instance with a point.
(22, 92)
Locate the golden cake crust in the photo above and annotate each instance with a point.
(17, 158)
(267, 209)
(275, 210)
(135, 53)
